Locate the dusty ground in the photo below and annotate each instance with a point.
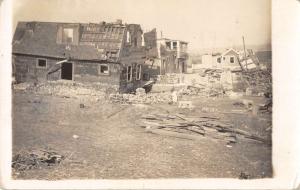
(111, 144)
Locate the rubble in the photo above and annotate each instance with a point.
(267, 106)
(150, 98)
(259, 81)
(202, 91)
(23, 86)
(140, 92)
(67, 89)
(186, 104)
(169, 78)
(25, 160)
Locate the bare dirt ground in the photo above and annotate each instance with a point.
(112, 145)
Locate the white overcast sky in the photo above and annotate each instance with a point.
(203, 23)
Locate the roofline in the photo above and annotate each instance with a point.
(229, 51)
(82, 23)
(57, 57)
(172, 40)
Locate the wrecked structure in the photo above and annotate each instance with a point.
(229, 59)
(173, 55)
(170, 55)
(108, 53)
(113, 54)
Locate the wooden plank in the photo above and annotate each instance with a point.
(241, 132)
(165, 123)
(175, 134)
(116, 112)
(218, 123)
(182, 135)
(196, 130)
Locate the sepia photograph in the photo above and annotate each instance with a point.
(141, 89)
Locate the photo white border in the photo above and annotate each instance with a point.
(286, 116)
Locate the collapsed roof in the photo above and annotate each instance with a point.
(93, 41)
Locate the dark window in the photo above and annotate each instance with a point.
(42, 63)
(103, 69)
(219, 59)
(129, 73)
(168, 44)
(231, 59)
(138, 72)
(175, 45)
(135, 42)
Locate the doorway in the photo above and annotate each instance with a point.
(67, 71)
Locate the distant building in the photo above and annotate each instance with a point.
(226, 60)
(211, 60)
(229, 59)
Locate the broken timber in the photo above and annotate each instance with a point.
(194, 128)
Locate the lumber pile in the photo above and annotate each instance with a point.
(25, 160)
(194, 127)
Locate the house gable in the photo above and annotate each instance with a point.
(230, 52)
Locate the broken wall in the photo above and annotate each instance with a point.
(26, 69)
(135, 32)
(150, 39)
(133, 59)
(89, 72)
(169, 63)
(76, 33)
(151, 69)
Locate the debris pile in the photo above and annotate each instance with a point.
(150, 98)
(194, 127)
(140, 92)
(202, 91)
(23, 86)
(214, 75)
(169, 79)
(267, 106)
(25, 160)
(68, 89)
(259, 81)
(209, 85)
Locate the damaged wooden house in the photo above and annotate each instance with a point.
(170, 55)
(102, 53)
